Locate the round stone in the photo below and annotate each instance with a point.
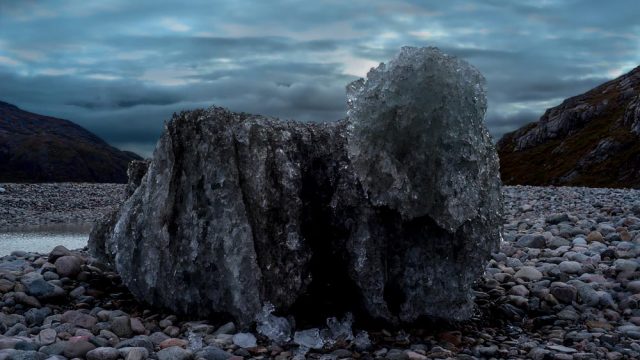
(173, 342)
(121, 326)
(47, 336)
(78, 318)
(570, 267)
(58, 252)
(588, 295)
(634, 286)
(563, 292)
(68, 266)
(519, 290)
(532, 241)
(78, 348)
(579, 241)
(136, 353)
(595, 236)
(528, 273)
(244, 340)
(625, 265)
(137, 326)
(103, 353)
(174, 353)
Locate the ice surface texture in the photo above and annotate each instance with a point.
(416, 136)
(390, 213)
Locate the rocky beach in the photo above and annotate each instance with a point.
(565, 285)
(325, 181)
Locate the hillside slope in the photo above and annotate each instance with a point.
(592, 139)
(37, 148)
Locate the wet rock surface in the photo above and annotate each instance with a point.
(238, 210)
(525, 306)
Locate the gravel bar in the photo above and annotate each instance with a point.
(24, 205)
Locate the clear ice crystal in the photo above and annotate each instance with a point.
(195, 341)
(300, 353)
(309, 338)
(327, 337)
(275, 328)
(402, 337)
(432, 102)
(362, 341)
(341, 330)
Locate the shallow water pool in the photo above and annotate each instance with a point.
(43, 238)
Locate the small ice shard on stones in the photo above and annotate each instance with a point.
(309, 338)
(362, 341)
(341, 330)
(273, 327)
(195, 341)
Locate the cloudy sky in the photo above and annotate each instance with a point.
(120, 68)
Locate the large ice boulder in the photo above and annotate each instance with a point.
(390, 213)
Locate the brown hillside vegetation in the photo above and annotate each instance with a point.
(592, 139)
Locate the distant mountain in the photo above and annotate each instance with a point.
(37, 148)
(591, 140)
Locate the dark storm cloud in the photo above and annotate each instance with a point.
(548, 88)
(199, 47)
(121, 68)
(502, 124)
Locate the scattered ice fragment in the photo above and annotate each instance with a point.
(300, 353)
(244, 340)
(341, 330)
(273, 327)
(402, 337)
(309, 338)
(327, 337)
(362, 341)
(195, 341)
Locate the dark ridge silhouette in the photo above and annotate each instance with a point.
(37, 148)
